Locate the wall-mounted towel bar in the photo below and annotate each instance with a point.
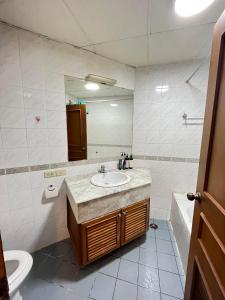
(186, 118)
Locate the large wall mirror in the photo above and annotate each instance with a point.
(99, 119)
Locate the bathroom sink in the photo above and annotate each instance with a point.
(110, 179)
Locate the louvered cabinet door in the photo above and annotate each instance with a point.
(100, 236)
(135, 220)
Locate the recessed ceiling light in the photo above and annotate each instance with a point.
(114, 104)
(187, 8)
(91, 86)
(162, 88)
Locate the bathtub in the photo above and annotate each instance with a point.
(181, 221)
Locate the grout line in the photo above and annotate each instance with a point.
(116, 278)
(92, 286)
(142, 35)
(69, 10)
(22, 89)
(183, 28)
(67, 43)
(172, 296)
(139, 253)
(178, 269)
(157, 262)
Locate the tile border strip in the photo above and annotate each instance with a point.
(16, 170)
(9, 171)
(168, 158)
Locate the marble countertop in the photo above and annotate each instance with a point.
(82, 190)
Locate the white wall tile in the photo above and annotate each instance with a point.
(37, 179)
(20, 199)
(10, 74)
(158, 213)
(12, 138)
(17, 182)
(11, 96)
(55, 100)
(9, 50)
(37, 137)
(34, 99)
(54, 82)
(15, 157)
(33, 78)
(3, 185)
(32, 85)
(57, 137)
(56, 119)
(38, 155)
(2, 161)
(11, 117)
(58, 154)
(4, 204)
(158, 128)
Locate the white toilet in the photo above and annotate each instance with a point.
(18, 265)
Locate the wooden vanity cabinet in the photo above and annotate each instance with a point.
(97, 237)
(135, 221)
(100, 236)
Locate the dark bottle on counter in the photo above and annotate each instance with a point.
(131, 162)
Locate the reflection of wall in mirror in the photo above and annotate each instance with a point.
(109, 128)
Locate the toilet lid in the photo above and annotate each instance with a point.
(24, 263)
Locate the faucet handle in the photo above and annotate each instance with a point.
(102, 169)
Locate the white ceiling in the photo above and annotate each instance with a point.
(135, 32)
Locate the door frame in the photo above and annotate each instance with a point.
(214, 82)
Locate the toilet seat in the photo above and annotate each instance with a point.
(25, 262)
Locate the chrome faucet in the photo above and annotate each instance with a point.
(102, 169)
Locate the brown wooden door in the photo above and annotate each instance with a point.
(4, 289)
(206, 265)
(135, 220)
(76, 132)
(100, 236)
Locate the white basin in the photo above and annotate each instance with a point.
(110, 179)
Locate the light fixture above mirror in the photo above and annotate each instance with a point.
(91, 86)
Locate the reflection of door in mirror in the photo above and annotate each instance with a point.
(76, 132)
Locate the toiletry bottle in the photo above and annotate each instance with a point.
(124, 162)
(120, 164)
(131, 160)
(127, 162)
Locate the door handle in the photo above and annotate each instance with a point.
(197, 196)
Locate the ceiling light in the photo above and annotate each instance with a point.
(114, 104)
(91, 86)
(187, 8)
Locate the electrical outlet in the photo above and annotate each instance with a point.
(49, 173)
(55, 173)
(61, 172)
